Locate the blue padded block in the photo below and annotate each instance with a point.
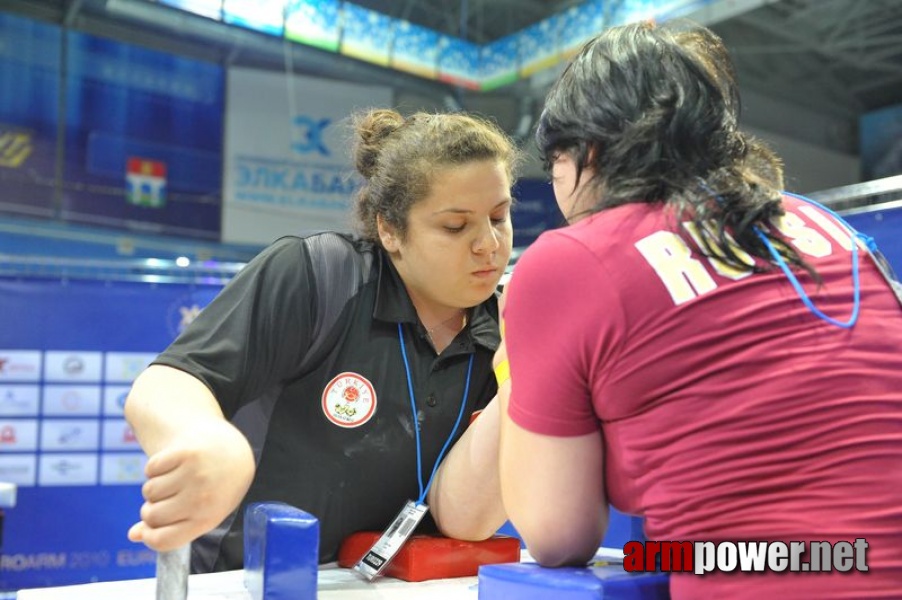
(281, 552)
(529, 581)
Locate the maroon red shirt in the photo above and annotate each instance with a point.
(729, 410)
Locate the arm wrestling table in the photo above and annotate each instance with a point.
(333, 583)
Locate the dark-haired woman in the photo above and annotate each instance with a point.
(696, 347)
(334, 372)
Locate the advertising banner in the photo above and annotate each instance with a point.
(29, 77)
(138, 133)
(143, 139)
(69, 351)
(288, 168)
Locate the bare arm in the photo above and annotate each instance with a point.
(199, 466)
(465, 498)
(553, 490)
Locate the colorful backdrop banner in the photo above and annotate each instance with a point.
(69, 351)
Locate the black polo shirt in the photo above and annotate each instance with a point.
(301, 350)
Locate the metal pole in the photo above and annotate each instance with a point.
(172, 573)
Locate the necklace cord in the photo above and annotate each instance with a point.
(430, 330)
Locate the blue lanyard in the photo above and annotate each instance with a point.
(793, 280)
(416, 421)
(856, 293)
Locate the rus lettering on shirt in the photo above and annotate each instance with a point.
(687, 277)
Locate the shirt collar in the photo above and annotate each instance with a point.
(393, 305)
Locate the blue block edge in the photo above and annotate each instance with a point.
(530, 581)
(281, 552)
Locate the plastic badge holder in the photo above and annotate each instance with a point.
(281, 552)
(529, 581)
(426, 557)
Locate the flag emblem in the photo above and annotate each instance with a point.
(145, 182)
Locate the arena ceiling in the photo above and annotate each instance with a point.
(843, 57)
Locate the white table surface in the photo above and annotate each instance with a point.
(229, 585)
(333, 583)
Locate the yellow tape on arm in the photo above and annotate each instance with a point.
(503, 372)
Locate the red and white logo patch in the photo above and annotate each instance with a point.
(349, 400)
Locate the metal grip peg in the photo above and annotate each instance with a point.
(172, 573)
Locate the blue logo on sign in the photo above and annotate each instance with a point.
(310, 133)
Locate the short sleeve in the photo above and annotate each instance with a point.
(255, 332)
(558, 334)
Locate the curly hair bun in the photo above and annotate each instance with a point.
(372, 129)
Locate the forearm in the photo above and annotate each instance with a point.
(553, 490)
(196, 458)
(465, 498)
(165, 403)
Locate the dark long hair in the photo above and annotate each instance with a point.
(653, 112)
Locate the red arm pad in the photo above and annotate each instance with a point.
(426, 557)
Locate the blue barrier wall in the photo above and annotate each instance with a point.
(885, 226)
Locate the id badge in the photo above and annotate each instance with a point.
(888, 273)
(385, 548)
